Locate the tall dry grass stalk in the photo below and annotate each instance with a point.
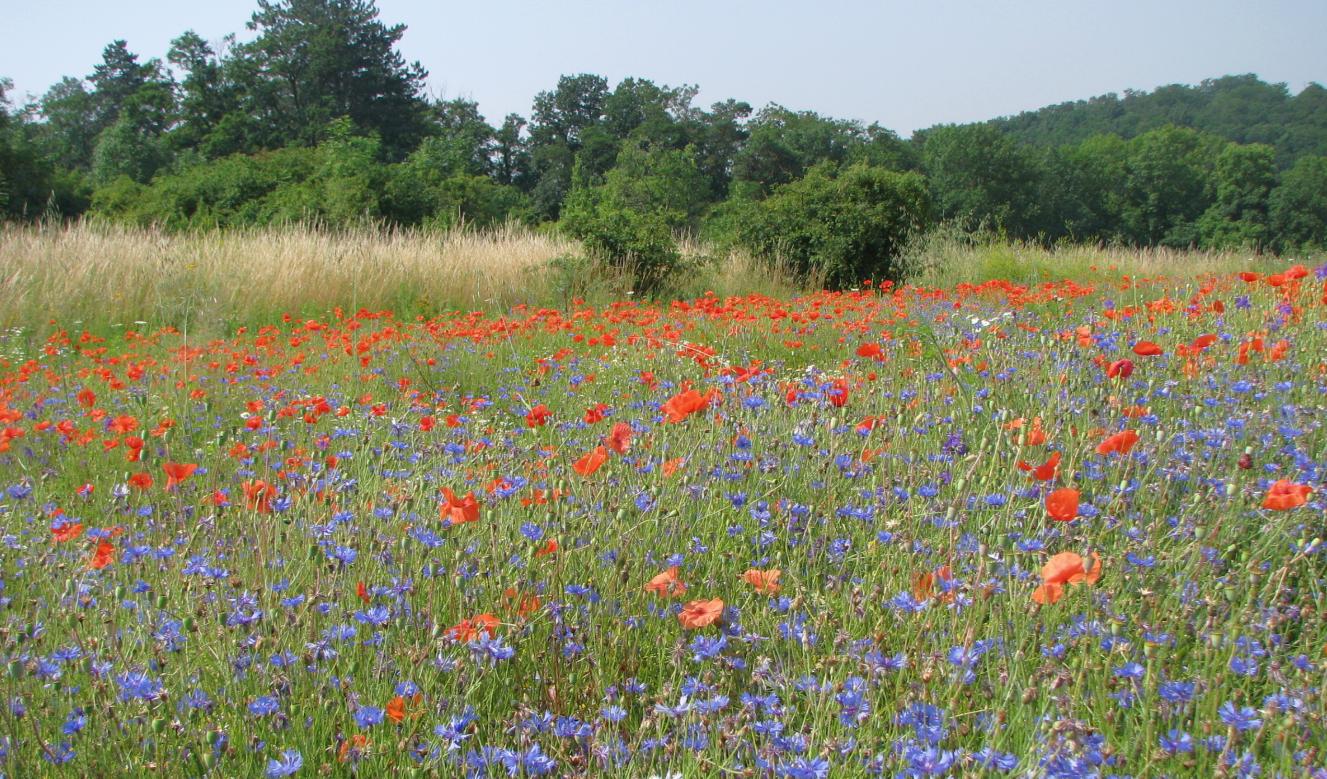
(117, 275)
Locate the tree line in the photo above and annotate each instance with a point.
(319, 117)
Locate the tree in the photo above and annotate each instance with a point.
(206, 96)
(1244, 176)
(559, 123)
(511, 153)
(784, 144)
(1298, 206)
(317, 60)
(979, 176)
(70, 130)
(1167, 186)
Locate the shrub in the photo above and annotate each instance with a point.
(843, 227)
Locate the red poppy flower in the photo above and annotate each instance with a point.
(1062, 504)
(591, 461)
(1147, 349)
(140, 480)
(176, 473)
(684, 404)
(619, 438)
(1121, 442)
(923, 584)
(766, 581)
(700, 613)
(1065, 568)
(1120, 368)
(1044, 472)
(103, 556)
(66, 532)
(458, 511)
(1285, 494)
(666, 584)
(468, 630)
(258, 495)
(538, 416)
(838, 393)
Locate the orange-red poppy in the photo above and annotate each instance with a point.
(103, 555)
(357, 743)
(670, 466)
(140, 481)
(1120, 369)
(458, 511)
(1062, 504)
(923, 584)
(66, 532)
(1044, 472)
(685, 403)
(1121, 442)
(666, 584)
(619, 438)
(468, 630)
(838, 393)
(176, 473)
(1147, 349)
(591, 461)
(700, 613)
(538, 416)
(1285, 494)
(1065, 568)
(258, 495)
(766, 581)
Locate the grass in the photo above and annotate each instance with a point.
(944, 258)
(311, 601)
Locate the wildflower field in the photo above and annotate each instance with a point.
(1053, 530)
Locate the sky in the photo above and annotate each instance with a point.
(906, 65)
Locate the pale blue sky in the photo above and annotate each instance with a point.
(906, 65)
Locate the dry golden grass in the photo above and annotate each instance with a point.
(117, 275)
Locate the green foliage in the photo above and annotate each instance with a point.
(1238, 108)
(1167, 181)
(1244, 178)
(843, 228)
(316, 60)
(1298, 206)
(980, 177)
(630, 219)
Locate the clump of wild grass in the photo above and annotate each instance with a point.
(105, 275)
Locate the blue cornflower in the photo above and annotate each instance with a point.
(805, 768)
(376, 616)
(1176, 742)
(708, 647)
(1242, 718)
(264, 706)
(137, 684)
(536, 763)
(490, 649)
(368, 716)
(1176, 692)
(290, 762)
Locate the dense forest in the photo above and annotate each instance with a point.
(319, 117)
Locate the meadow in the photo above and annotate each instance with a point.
(1065, 521)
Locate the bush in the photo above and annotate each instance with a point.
(843, 228)
(629, 219)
